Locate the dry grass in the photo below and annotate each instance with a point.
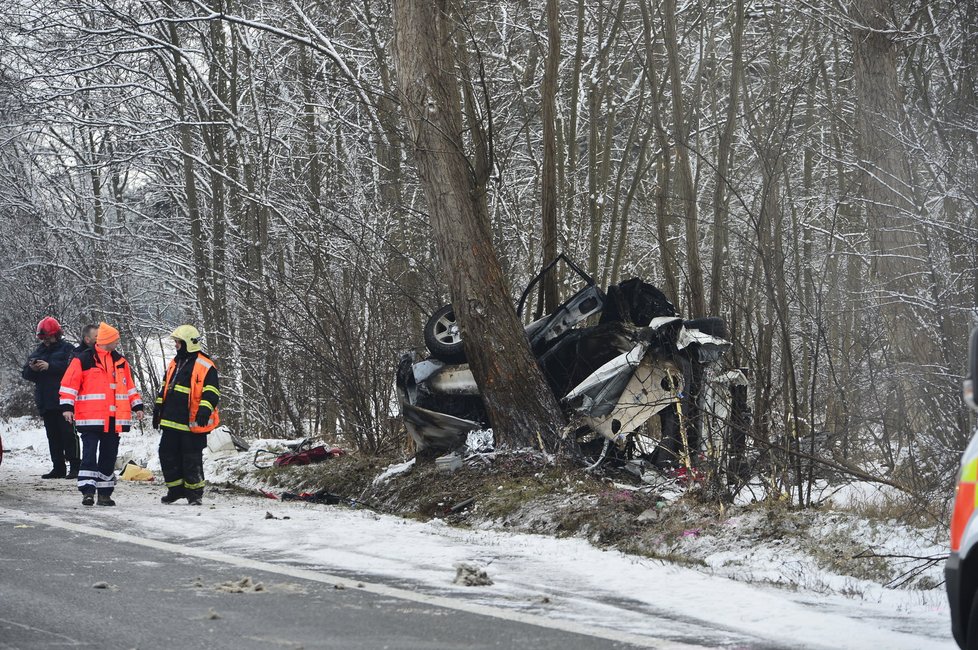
(523, 492)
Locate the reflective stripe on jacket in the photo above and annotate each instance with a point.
(200, 393)
(98, 386)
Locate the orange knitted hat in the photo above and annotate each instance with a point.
(106, 334)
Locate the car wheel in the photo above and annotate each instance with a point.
(442, 336)
(971, 642)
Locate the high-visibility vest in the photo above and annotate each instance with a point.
(98, 386)
(202, 366)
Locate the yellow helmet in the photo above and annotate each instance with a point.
(189, 335)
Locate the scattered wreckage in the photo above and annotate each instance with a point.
(639, 360)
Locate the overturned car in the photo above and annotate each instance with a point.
(638, 359)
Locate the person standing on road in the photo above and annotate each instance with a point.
(186, 411)
(99, 396)
(45, 368)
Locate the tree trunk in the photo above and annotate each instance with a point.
(899, 263)
(221, 80)
(686, 184)
(663, 180)
(721, 237)
(185, 129)
(550, 158)
(520, 405)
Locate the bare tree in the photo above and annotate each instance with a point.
(551, 157)
(521, 407)
(900, 259)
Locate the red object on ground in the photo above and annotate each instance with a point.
(685, 477)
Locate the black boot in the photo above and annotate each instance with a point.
(105, 500)
(88, 500)
(194, 497)
(172, 494)
(56, 473)
(73, 469)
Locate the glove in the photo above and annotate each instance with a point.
(157, 416)
(203, 415)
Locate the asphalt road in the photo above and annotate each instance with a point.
(350, 578)
(330, 578)
(65, 585)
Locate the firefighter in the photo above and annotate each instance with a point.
(186, 411)
(45, 368)
(98, 395)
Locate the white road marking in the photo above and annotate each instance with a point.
(30, 628)
(370, 587)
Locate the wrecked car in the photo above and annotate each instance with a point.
(638, 359)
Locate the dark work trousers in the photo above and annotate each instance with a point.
(182, 460)
(99, 451)
(62, 440)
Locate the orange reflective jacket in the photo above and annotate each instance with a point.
(202, 365)
(98, 386)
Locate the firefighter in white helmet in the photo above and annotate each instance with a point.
(185, 412)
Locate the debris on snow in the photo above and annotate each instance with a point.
(471, 575)
(448, 463)
(480, 441)
(461, 505)
(393, 470)
(101, 585)
(244, 585)
(222, 440)
(650, 514)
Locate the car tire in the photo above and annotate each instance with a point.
(442, 336)
(971, 641)
(711, 325)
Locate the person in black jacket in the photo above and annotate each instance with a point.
(185, 412)
(45, 368)
(89, 333)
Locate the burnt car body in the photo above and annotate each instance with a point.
(638, 360)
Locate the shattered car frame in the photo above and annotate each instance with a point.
(639, 360)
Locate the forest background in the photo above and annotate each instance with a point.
(805, 170)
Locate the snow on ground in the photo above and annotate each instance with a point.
(555, 578)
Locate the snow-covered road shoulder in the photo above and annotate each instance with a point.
(565, 580)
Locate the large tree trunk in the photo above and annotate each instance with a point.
(900, 259)
(521, 407)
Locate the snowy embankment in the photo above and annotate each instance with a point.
(565, 579)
